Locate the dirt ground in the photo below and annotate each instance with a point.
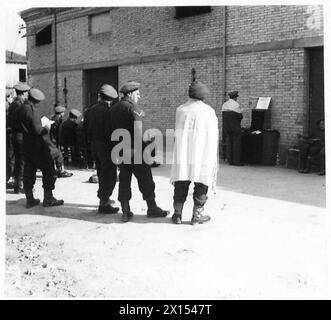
(266, 240)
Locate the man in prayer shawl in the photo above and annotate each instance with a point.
(195, 157)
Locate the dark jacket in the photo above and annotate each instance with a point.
(123, 115)
(13, 122)
(231, 122)
(68, 133)
(97, 123)
(33, 133)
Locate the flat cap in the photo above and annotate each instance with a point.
(108, 91)
(36, 94)
(130, 86)
(198, 90)
(21, 87)
(234, 94)
(60, 109)
(74, 112)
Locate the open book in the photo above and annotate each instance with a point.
(45, 121)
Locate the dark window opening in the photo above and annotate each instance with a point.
(182, 12)
(22, 75)
(44, 36)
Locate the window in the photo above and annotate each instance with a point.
(99, 23)
(22, 75)
(44, 36)
(182, 12)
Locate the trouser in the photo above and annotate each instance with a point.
(17, 141)
(58, 159)
(46, 165)
(309, 150)
(143, 174)
(106, 169)
(233, 147)
(199, 193)
(10, 159)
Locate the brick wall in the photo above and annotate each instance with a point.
(153, 31)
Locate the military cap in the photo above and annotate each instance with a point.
(233, 94)
(60, 109)
(36, 94)
(75, 113)
(130, 86)
(198, 90)
(108, 91)
(21, 87)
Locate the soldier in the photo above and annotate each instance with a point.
(17, 135)
(58, 120)
(68, 136)
(36, 151)
(98, 133)
(232, 116)
(195, 153)
(122, 116)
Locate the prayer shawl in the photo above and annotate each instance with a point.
(195, 155)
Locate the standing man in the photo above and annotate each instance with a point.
(123, 115)
(195, 153)
(232, 116)
(36, 151)
(55, 128)
(10, 160)
(68, 136)
(17, 135)
(96, 125)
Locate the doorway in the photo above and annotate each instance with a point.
(316, 86)
(94, 79)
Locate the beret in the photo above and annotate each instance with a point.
(76, 113)
(36, 94)
(60, 109)
(198, 90)
(21, 87)
(233, 94)
(93, 179)
(130, 86)
(108, 91)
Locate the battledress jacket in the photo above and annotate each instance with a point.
(195, 155)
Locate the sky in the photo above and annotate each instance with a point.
(13, 40)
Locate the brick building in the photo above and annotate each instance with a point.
(268, 51)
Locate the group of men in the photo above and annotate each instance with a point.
(195, 151)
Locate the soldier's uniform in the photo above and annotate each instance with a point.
(122, 116)
(68, 136)
(232, 116)
(96, 123)
(17, 136)
(36, 151)
(55, 128)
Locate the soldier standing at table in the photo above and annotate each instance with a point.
(97, 129)
(232, 116)
(17, 135)
(123, 115)
(36, 151)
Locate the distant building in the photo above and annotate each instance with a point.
(16, 69)
(261, 51)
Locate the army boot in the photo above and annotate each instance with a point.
(107, 208)
(154, 211)
(177, 216)
(127, 214)
(30, 200)
(50, 201)
(197, 217)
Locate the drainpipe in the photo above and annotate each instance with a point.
(55, 59)
(224, 56)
